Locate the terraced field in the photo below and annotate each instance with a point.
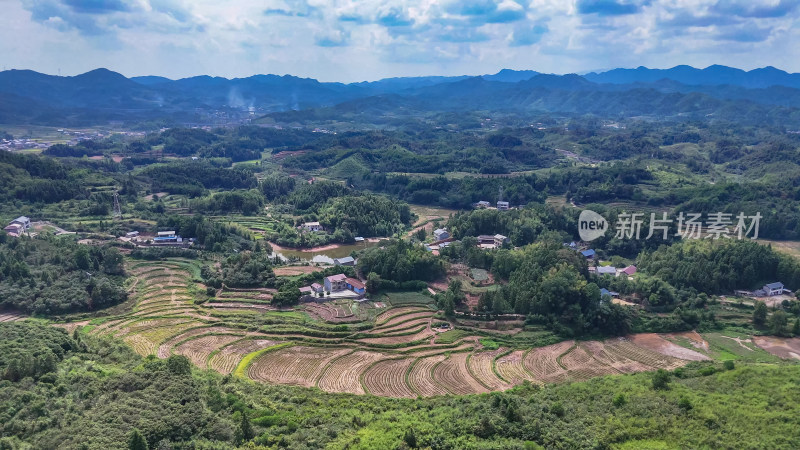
(258, 225)
(353, 348)
(10, 317)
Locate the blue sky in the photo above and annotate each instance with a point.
(348, 40)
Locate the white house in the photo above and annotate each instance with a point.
(312, 226)
(483, 204)
(335, 283)
(502, 206)
(499, 240)
(773, 289)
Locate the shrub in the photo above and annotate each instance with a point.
(661, 380)
(728, 365)
(619, 400)
(557, 409)
(706, 371)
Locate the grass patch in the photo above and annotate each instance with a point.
(489, 344)
(479, 275)
(244, 364)
(448, 337)
(724, 347)
(397, 298)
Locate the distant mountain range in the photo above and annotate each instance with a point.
(101, 95)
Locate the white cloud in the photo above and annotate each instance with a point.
(367, 39)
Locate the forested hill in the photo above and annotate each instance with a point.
(764, 95)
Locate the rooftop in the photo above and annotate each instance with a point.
(355, 283)
(339, 277)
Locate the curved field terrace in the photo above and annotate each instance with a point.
(363, 348)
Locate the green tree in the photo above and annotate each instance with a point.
(287, 295)
(82, 260)
(661, 380)
(245, 427)
(136, 441)
(112, 262)
(778, 323)
(760, 313)
(373, 282)
(456, 292)
(179, 365)
(729, 364)
(796, 327)
(410, 438)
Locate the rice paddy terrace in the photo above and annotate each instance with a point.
(356, 347)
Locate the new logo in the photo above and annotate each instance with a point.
(591, 225)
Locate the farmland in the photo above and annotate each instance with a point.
(342, 346)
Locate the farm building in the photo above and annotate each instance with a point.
(485, 239)
(346, 261)
(316, 287)
(14, 229)
(356, 286)
(502, 206)
(773, 289)
(306, 294)
(606, 270)
(630, 270)
(440, 234)
(18, 226)
(499, 240)
(482, 204)
(22, 220)
(132, 234)
(606, 293)
(168, 238)
(336, 283)
(312, 226)
(588, 254)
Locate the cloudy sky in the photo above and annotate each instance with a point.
(354, 40)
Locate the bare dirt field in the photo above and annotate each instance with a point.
(282, 271)
(786, 348)
(660, 345)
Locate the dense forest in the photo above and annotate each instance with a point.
(56, 276)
